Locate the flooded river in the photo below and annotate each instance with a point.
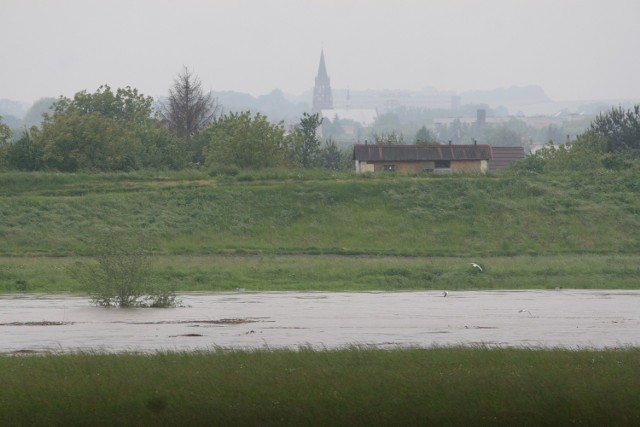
(560, 318)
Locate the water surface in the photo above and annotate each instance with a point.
(560, 318)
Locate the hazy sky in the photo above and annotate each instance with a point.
(574, 49)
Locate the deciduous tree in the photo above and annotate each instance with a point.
(621, 129)
(25, 154)
(305, 146)
(330, 156)
(243, 141)
(104, 130)
(188, 109)
(126, 104)
(5, 132)
(75, 141)
(35, 114)
(423, 136)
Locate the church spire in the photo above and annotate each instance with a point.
(322, 97)
(322, 68)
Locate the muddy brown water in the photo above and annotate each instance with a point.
(243, 320)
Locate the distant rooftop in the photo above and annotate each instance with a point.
(503, 157)
(363, 116)
(420, 152)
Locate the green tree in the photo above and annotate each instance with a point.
(305, 146)
(621, 130)
(612, 142)
(25, 154)
(534, 162)
(105, 130)
(387, 123)
(334, 128)
(36, 114)
(243, 141)
(502, 136)
(388, 138)
(514, 132)
(331, 156)
(456, 132)
(79, 141)
(125, 105)
(388, 129)
(5, 132)
(583, 154)
(188, 109)
(122, 274)
(554, 133)
(5, 135)
(161, 148)
(423, 136)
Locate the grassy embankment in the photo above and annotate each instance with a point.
(327, 233)
(343, 387)
(281, 231)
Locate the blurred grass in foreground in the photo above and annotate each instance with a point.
(356, 386)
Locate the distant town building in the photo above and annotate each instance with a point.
(481, 117)
(434, 157)
(456, 102)
(504, 157)
(322, 97)
(362, 116)
(416, 158)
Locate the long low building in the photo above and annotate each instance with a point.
(503, 157)
(433, 157)
(421, 157)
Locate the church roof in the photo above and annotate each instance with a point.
(322, 97)
(322, 68)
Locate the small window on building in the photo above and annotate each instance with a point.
(389, 168)
(443, 164)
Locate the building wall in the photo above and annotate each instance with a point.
(362, 167)
(467, 165)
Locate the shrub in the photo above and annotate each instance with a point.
(121, 275)
(223, 170)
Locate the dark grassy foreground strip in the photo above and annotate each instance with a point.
(442, 386)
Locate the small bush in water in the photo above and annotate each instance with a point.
(121, 276)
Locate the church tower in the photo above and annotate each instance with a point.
(322, 98)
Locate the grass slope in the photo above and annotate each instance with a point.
(378, 232)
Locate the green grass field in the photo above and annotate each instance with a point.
(443, 386)
(342, 273)
(278, 230)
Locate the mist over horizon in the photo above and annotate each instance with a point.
(575, 50)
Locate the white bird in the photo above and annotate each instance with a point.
(445, 294)
(474, 265)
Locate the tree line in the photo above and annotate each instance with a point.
(124, 130)
(404, 125)
(611, 142)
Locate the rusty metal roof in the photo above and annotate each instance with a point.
(393, 152)
(503, 157)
